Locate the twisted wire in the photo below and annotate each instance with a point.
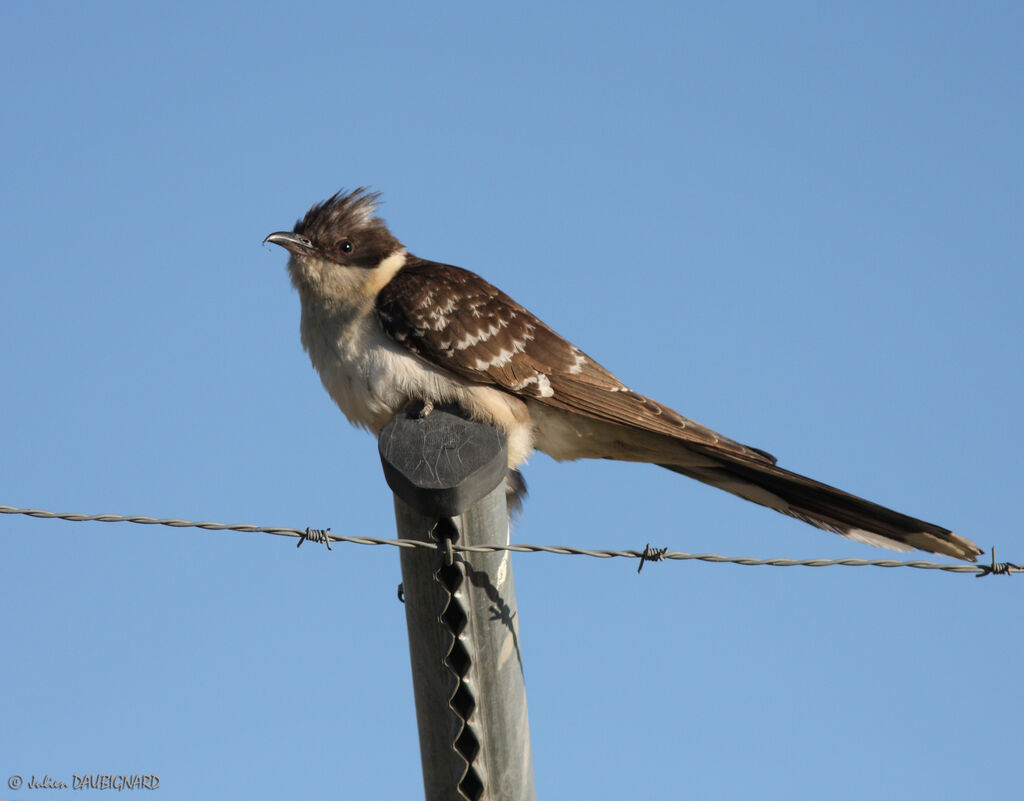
(1000, 568)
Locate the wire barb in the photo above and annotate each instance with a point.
(315, 535)
(999, 568)
(651, 555)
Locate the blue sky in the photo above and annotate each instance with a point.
(798, 224)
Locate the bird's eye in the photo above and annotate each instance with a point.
(346, 247)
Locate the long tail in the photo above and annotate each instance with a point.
(820, 505)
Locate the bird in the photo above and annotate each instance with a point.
(386, 329)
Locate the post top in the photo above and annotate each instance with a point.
(443, 463)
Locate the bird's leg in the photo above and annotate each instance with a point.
(425, 408)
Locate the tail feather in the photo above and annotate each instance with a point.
(823, 506)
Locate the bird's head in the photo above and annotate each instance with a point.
(341, 252)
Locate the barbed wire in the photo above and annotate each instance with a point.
(645, 555)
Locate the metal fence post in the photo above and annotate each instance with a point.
(447, 474)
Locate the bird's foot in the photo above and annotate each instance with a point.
(420, 409)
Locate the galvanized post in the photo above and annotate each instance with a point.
(447, 474)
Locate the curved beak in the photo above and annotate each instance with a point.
(293, 243)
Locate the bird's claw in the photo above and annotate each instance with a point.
(425, 409)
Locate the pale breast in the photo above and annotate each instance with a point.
(371, 377)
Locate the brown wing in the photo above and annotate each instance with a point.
(456, 320)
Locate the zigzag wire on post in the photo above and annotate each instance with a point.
(999, 568)
(450, 575)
